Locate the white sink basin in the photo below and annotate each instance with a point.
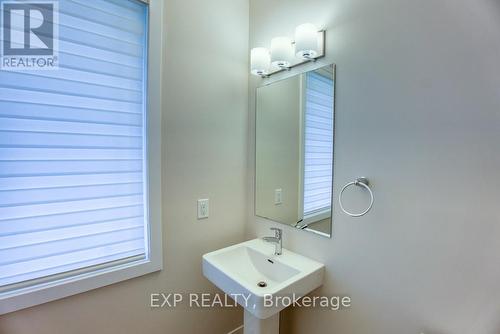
(238, 269)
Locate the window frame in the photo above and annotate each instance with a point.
(62, 286)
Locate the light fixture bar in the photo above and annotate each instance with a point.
(321, 54)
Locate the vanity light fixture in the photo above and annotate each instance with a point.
(281, 51)
(259, 61)
(309, 45)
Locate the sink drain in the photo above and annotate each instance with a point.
(262, 284)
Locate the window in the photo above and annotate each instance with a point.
(318, 152)
(75, 173)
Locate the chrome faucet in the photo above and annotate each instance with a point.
(276, 240)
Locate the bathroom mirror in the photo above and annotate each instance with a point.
(294, 150)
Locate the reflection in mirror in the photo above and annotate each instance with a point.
(294, 150)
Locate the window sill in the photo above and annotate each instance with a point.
(317, 216)
(11, 301)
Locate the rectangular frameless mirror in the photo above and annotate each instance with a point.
(294, 150)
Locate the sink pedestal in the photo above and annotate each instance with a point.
(254, 325)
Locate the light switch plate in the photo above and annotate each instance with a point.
(203, 208)
(278, 196)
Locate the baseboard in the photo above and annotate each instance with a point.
(238, 330)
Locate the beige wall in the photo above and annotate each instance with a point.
(278, 143)
(418, 112)
(205, 134)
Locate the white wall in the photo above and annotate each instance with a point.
(205, 133)
(418, 112)
(278, 150)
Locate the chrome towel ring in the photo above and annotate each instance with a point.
(360, 182)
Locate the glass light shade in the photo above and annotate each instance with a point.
(306, 41)
(259, 61)
(281, 51)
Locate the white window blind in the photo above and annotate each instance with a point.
(72, 147)
(318, 148)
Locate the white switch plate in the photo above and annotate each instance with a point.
(278, 196)
(203, 208)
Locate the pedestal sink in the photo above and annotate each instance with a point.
(256, 278)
